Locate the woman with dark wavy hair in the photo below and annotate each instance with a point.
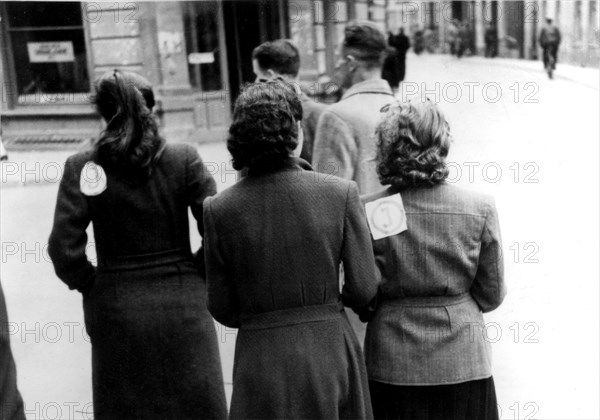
(274, 243)
(438, 250)
(154, 345)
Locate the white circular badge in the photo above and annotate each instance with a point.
(93, 179)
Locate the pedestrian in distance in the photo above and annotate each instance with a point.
(462, 39)
(394, 66)
(274, 243)
(451, 37)
(281, 59)
(439, 253)
(11, 403)
(549, 40)
(491, 41)
(419, 41)
(154, 345)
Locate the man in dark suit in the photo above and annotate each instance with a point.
(281, 59)
(11, 404)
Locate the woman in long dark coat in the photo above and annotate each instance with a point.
(154, 344)
(274, 243)
(439, 252)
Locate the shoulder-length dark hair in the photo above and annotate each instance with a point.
(264, 131)
(413, 141)
(130, 143)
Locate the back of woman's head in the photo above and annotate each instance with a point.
(413, 141)
(130, 143)
(264, 131)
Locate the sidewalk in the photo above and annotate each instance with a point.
(587, 76)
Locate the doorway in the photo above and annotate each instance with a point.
(247, 25)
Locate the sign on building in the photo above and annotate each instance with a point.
(50, 52)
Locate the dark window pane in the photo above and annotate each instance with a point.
(202, 36)
(50, 61)
(39, 13)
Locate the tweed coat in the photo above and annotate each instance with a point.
(154, 344)
(344, 142)
(273, 247)
(438, 277)
(311, 111)
(11, 403)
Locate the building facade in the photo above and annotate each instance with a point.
(517, 24)
(197, 54)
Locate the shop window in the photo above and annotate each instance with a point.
(202, 42)
(47, 45)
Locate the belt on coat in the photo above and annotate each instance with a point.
(292, 316)
(129, 262)
(428, 301)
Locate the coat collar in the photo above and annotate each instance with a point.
(379, 86)
(290, 164)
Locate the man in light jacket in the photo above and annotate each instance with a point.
(344, 142)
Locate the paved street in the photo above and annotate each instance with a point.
(531, 142)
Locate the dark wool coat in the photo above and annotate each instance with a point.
(11, 404)
(438, 276)
(274, 243)
(154, 344)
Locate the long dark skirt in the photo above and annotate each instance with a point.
(154, 345)
(464, 401)
(302, 363)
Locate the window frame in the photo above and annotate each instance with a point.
(10, 90)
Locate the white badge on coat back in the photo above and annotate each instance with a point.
(386, 216)
(93, 179)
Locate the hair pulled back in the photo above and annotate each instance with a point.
(130, 144)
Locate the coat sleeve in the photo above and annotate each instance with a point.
(361, 278)
(11, 403)
(199, 185)
(68, 239)
(488, 288)
(335, 151)
(223, 302)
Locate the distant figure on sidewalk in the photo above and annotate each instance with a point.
(11, 404)
(462, 39)
(550, 41)
(491, 41)
(451, 36)
(281, 58)
(394, 65)
(419, 42)
(429, 40)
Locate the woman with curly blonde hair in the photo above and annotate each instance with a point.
(438, 250)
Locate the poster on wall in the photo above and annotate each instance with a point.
(50, 52)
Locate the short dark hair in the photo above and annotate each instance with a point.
(281, 56)
(264, 131)
(413, 141)
(365, 41)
